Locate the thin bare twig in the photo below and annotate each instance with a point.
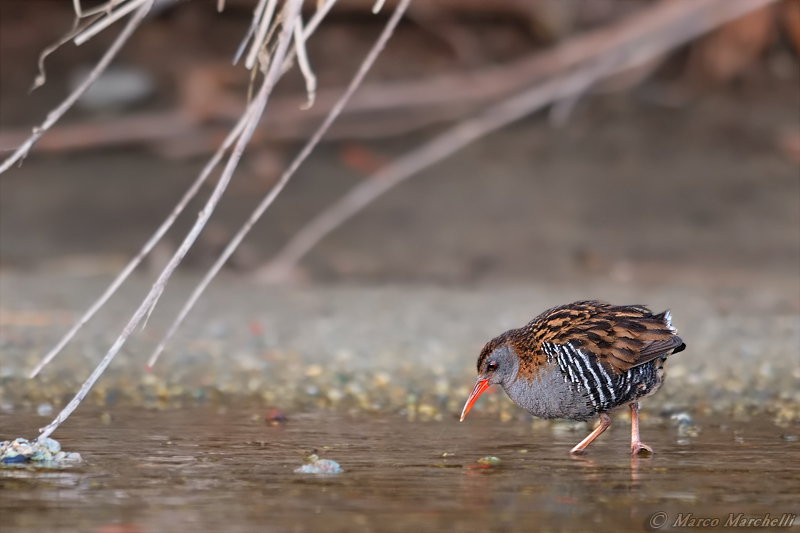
(41, 77)
(307, 32)
(154, 239)
(108, 6)
(679, 22)
(148, 246)
(576, 86)
(107, 21)
(56, 114)
(402, 168)
(261, 35)
(255, 109)
(251, 31)
(489, 84)
(445, 97)
(376, 8)
(316, 18)
(288, 173)
(442, 98)
(305, 64)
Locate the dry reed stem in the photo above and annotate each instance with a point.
(265, 21)
(251, 31)
(148, 246)
(314, 21)
(309, 29)
(442, 98)
(376, 8)
(255, 109)
(680, 22)
(156, 237)
(305, 64)
(107, 21)
(489, 84)
(41, 77)
(102, 8)
(286, 176)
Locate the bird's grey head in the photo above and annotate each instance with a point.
(498, 364)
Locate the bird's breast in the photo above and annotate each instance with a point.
(549, 395)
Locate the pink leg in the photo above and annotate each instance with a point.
(605, 421)
(637, 446)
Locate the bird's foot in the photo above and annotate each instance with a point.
(640, 448)
(577, 451)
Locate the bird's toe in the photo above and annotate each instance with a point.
(640, 448)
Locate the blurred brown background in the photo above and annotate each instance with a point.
(689, 175)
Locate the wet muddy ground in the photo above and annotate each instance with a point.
(374, 379)
(230, 471)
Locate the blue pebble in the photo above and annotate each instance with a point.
(15, 459)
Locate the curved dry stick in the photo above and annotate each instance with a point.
(251, 31)
(491, 83)
(41, 77)
(159, 233)
(56, 114)
(315, 19)
(574, 88)
(110, 18)
(254, 111)
(685, 21)
(305, 64)
(80, 13)
(308, 30)
(261, 34)
(288, 173)
(431, 152)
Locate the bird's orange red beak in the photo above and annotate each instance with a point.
(480, 386)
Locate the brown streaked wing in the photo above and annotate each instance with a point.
(621, 337)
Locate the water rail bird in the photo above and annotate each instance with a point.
(581, 360)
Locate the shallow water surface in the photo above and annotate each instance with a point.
(206, 470)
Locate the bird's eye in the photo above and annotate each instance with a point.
(491, 367)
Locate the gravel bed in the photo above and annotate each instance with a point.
(404, 348)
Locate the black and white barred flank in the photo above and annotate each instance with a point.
(605, 389)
